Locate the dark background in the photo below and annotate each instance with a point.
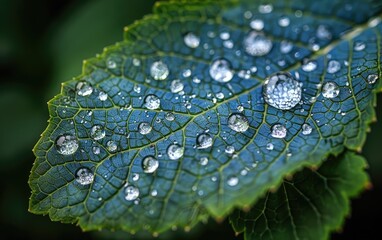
(43, 43)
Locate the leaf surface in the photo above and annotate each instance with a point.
(112, 96)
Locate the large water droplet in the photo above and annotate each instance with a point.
(330, 90)
(84, 88)
(191, 40)
(334, 66)
(84, 176)
(257, 44)
(372, 78)
(232, 181)
(220, 70)
(238, 122)
(144, 128)
(152, 102)
(176, 86)
(97, 132)
(309, 65)
(159, 70)
(150, 164)
(278, 131)
(131, 193)
(111, 146)
(175, 151)
(306, 129)
(66, 144)
(203, 141)
(281, 90)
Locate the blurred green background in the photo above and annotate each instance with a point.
(43, 43)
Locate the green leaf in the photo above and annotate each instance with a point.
(107, 121)
(309, 206)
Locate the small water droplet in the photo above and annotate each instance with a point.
(330, 90)
(220, 70)
(66, 144)
(240, 108)
(334, 66)
(359, 46)
(150, 164)
(224, 35)
(152, 102)
(238, 122)
(84, 88)
(135, 177)
(137, 88)
(228, 44)
(229, 149)
(257, 24)
(97, 132)
(111, 146)
(175, 151)
(257, 44)
(265, 8)
(136, 62)
(232, 181)
(323, 32)
(186, 73)
(203, 141)
(96, 150)
(191, 40)
(84, 176)
(154, 193)
(203, 161)
(306, 129)
(282, 91)
(372, 78)
(176, 86)
(102, 96)
(278, 131)
(286, 46)
(131, 193)
(284, 21)
(269, 146)
(159, 70)
(144, 128)
(111, 63)
(309, 65)
(220, 95)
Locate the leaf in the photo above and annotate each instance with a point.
(309, 206)
(112, 95)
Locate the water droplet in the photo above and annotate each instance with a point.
(136, 62)
(97, 132)
(224, 35)
(131, 193)
(159, 70)
(220, 95)
(84, 88)
(176, 86)
(323, 32)
(111, 146)
(265, 8)
(144, 128)
(220, 70)
(286, 46)
(84, 176)
(257, 24)
(170, 116)
(187, 73)
(175, 151)
(282, 91)
(137, 88)
(238, 122)
(372, 78)
(309, 65)
(102, 96)
(66, 144)
(359, 46)
(330, 90)
(306, 129)
(284, 21)
(135, 177)
(110, 63)
(230, 149)
(96, 150)
(257, 44)
(150, 164)
(154, 193)
(269, 146)
(191, 40)
(203, 161)
(152, 102)
(278, 131)
(203, 141)
(233, 181)
(334, 66)
(228, 44)
(240, 108)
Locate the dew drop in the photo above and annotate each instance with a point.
(309, 65)
(154, 193)
(203, 141)
(286, 46)
(330, 90)
(150, 164)
(144, 128)
(136, 62)
(284, 21)
(306, 129)
(159, 70)
(102, 96)
(220, 70)
(270, 146)
(257, 24)
(84, 88)
(372, 78)
(191, 40)
(96, 150)
(334, 66)
(135, 177)
(170, 116)
(66, 144)
(186, 73)
(230, 149)
(97, 132)
(238, 122)
(137, 88)
(265, 8)
(176, 86)
(220, 95)
(111, 63)
(278, 131)
(257, 44)
(131, 193)
(152, 102)
(282, 91)
(84, 176)
(323, 32)
(359, 46)
(240, 108)
(232, 181)
(111, 146)
(175, 151)
(203, 161)
(224, 35)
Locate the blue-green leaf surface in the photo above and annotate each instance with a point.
(242, 164)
